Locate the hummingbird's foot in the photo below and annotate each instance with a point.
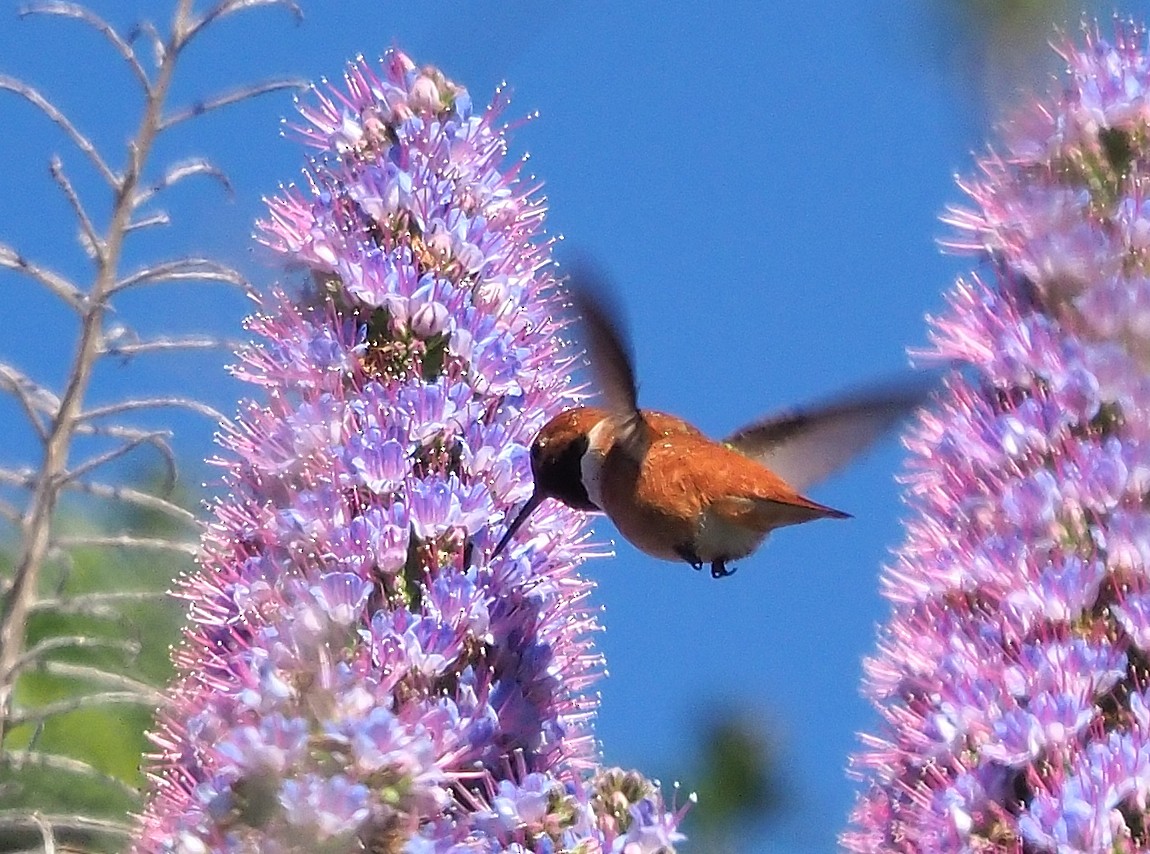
(719, 569)
(687, 554)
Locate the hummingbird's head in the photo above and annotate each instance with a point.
(556, 464)
(557, 456)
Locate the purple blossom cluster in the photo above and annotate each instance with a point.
(357, 675)
(1014, 674)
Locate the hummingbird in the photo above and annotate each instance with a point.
(671, 491)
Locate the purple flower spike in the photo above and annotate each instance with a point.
(357, 675)
(1012, 676)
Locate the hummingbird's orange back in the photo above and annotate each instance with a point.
(687, 492)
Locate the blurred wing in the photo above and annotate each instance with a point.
(804, 446)
(607, 346)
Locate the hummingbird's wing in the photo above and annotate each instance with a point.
(804, 446)
(607, 345)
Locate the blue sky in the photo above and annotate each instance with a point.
(761, 180)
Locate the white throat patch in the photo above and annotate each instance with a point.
(591, 465)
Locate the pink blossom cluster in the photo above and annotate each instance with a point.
(357, 675)
(1013, 677)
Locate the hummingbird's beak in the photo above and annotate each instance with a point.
(534, 501)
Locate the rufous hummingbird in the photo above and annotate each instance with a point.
(671, 491)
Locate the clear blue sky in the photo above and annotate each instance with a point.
(762, 180)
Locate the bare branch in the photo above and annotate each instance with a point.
(135, 497)
(106, 250)
(34, 655)
(127, 541)
(229, 7)
(83, 13)
(38, 403)
(17, 760)
(26, 404)
(183, 269)
(150, 221)
(119, 431)
(148, 30)
(18, 477)
(73, 704)
(156, 439)
(25, 478)
(113, 334)
(10, 513)
(41, 399)
(21, 819)
(166, 344)
(187, 403)
(47, 837)
(54, 114)
(105, 678)
(226, 99)
(57, 284)
(28, 478)
(90, 239)
(96, 604)
(178, 172)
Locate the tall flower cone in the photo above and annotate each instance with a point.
(1014, 674)
(357, 675)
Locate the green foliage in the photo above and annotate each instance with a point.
(105, 626)
(736, 778)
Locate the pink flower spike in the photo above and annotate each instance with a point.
(1012, 674)
(358, 674)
